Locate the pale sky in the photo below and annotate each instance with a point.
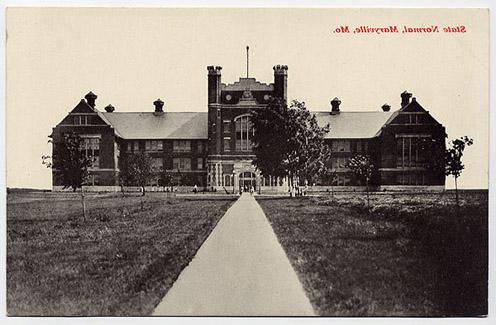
(130, 57)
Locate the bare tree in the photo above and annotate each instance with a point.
(136, 169)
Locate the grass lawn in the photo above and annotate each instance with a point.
(120, 261)
(409, 256)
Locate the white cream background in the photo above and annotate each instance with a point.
(129, 57)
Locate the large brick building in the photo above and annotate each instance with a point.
(213, 150)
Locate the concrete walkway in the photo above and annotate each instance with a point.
(240, 270)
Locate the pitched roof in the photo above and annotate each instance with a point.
(194, 125)
(169, 125)
(353, 125)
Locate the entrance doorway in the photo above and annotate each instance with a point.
(247, 180)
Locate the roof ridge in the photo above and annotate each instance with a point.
(341, 112)
(150, 112)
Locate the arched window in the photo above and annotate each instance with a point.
(244, 133)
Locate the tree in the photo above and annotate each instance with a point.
(329, 176)
(453, 162)
(136, 169)
(361, 166)
(288, 142)
(166, 178)
(311, 152)
(70, 163)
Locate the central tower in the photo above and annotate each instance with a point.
(229, 163)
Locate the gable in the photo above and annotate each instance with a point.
(412, 114)
(83, 114)
(83, 119)
(83, 107)
(413, 106)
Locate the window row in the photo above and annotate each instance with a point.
(345, 145)
(183, 164)
(82, 119)
(417, 178)
(153, 145)
(412, 119)
(158, 145)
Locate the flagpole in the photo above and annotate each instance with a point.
(247, 60)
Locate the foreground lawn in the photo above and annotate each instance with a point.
(408, 256)
(121, 261)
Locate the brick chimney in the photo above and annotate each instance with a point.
(405, 98)
(386, 107)
(281, 81)
(109, 108)
(159, 106)
(214, 76)
(335, 106)
(90, 99)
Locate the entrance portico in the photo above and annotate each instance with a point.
(232, 175)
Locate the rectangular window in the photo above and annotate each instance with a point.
(341, 146)
(414, 119)
(181, 164)
(411, 150)
(153, 145)
(199, 163)
(181, 146)
(157, 163)
(344, 145)
(334, 145)
(333, 163)
(81, 119)
(129, 146)
(244, 133)
(136, 145)
(227, 144)
(200, 147)
(226, 126)
(227, 180)
(91, 148)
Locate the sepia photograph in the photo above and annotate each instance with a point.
(329, 162)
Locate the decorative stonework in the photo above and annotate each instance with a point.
(247, 98)
(247, 83)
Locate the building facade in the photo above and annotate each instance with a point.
(213, 149)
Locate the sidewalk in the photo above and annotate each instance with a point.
(240, 270)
